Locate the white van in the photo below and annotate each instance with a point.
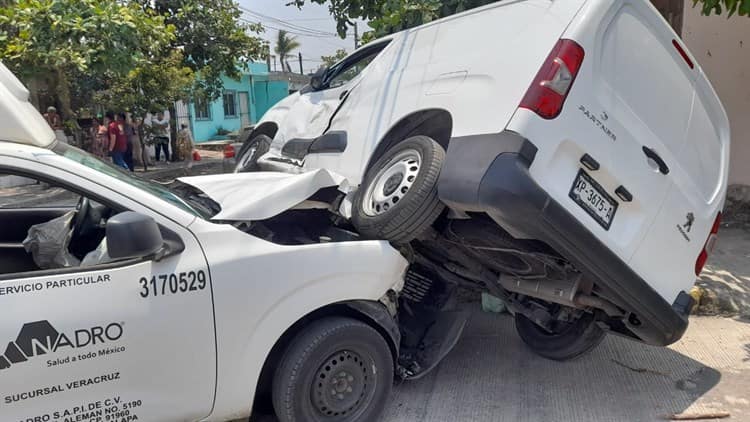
(569, 156)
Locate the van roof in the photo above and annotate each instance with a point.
(21, 122)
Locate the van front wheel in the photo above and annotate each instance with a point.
(398, 198)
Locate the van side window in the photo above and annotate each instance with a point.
(353, 65)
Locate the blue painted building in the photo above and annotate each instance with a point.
(243, 102)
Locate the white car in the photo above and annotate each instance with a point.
(570, 156)
(123, 300)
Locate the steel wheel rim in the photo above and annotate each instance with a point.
(392, 182)
(341, 385)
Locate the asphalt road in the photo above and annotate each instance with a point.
(492, 376)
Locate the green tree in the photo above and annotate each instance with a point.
(212, 36)
(155, 85)
(329, 61)
(63, 42)
(284, 45)
(730, 7)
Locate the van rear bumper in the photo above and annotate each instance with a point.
(490, 174)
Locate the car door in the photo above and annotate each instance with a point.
(309, 117)
(123, 340)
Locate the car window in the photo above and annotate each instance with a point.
(22, 192)
(153, 188)
(350, 67)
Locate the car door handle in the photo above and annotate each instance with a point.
(651, 154)
(343, 94)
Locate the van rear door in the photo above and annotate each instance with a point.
(674, 127)
(644, 110)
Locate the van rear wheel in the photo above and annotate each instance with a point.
(336, 370)
(398, 198)
(567, 342)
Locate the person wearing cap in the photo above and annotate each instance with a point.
(55, 122)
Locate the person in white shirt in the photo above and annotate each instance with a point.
(161, 129)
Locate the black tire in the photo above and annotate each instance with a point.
(409, 215)
(575, 340)
(337, 369)
(247, 159)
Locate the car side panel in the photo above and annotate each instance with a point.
(143, 361)
(476, 65)
(261, 289)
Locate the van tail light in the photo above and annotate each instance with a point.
(708, 247)
(228, 151)
(682, 52)
(551, 85)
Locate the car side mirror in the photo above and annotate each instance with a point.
(132, 235)
(317, 80)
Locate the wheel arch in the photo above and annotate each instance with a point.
(268, 128)
(372, 313)
(436, 123)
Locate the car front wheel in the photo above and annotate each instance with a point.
(398, 198)
(337, 369)
(247, 159)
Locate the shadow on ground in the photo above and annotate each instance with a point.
(726, 279)
(492, 376)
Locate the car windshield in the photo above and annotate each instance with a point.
(190, 201)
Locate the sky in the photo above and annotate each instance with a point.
(313, 26)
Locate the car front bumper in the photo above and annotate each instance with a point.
(490, 174)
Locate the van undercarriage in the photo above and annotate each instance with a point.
(469, 254)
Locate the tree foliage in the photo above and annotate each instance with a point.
(134, 54)
(329, 61)
(389, 16)
(730, 7)
(150, 86)
(214, 40)
(285, 44)
(66, 40)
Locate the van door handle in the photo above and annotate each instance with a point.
(343, 94)
(651, 154)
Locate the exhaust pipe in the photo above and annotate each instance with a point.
(563, 292)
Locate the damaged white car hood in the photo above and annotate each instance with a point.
(262, 195)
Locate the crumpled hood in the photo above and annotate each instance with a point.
(261, 195)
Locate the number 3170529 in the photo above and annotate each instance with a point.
(165, 284)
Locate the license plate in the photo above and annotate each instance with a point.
(593, 199)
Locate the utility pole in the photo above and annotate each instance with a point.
(301, 72)
(356, 36)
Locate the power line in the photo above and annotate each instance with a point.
(311, 19)
(296, 27)
(301, 34)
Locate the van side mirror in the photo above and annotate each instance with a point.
(317, 80)
(132, 235)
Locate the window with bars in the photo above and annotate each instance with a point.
(202, 111)
(230, 103)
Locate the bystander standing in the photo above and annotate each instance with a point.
(55, 122)
(118, 141)
(160, 125)
(185, 145)
(98, 133)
